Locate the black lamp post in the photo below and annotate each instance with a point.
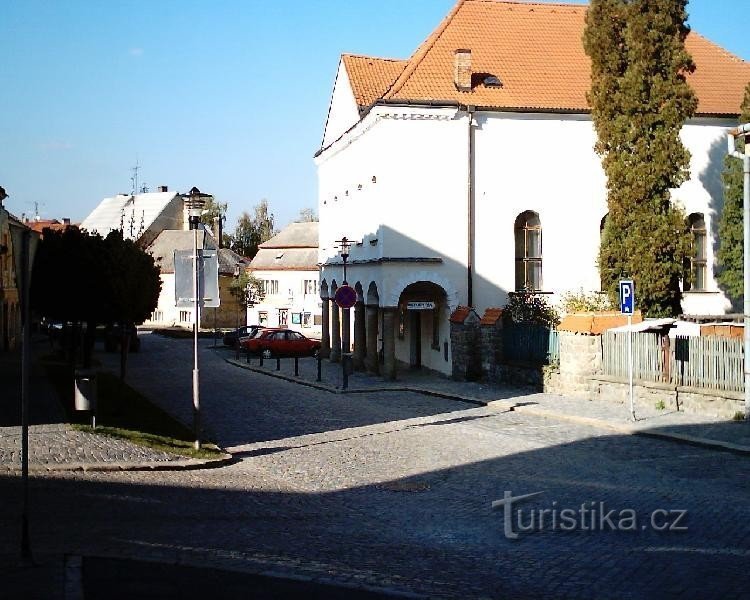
(195, 201)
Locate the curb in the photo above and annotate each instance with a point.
(191, 464)
(508, 405)
(628, 430)
(336, 390)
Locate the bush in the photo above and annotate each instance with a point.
(581, 301)
(530, 308)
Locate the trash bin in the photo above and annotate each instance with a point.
(85, 389)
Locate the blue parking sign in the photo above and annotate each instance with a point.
(627, 296)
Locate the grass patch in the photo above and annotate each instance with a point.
(126, 414)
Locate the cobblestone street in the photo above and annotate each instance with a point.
(394, 490)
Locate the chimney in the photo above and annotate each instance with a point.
(218, 232)
(163, 188)
(66, 222)
(462, 70)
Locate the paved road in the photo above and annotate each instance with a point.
(395, 490)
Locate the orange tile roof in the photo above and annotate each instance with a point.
(491, 316)
(371, 77)
(536, 51)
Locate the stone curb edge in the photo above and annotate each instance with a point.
(191, 464)
(628, 430)
(591, 421)
(335, 390)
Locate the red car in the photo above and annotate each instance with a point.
(280, 343)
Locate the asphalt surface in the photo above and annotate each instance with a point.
(393, 492)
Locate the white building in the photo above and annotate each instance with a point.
(139, 216)
(449, 166)
(287, 266)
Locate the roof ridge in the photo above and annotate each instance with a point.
(721, 49)
(367, 56)
(421, 52)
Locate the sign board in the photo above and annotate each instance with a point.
(420, 306)
(208, 278)
(627, 296)
(345, 296)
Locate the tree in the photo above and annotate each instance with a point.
(246, 290)
(730, 254)
(307, 215)
(640, 100)
(250, 232)
(84, 278)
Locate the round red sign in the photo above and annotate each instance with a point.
(345, 296)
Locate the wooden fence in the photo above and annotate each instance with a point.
(532, 344)
(702, 362)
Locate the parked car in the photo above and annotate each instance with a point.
(280, 343)
(231, 337)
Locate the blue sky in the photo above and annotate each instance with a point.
(230, 96)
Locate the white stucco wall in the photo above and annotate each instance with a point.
(291, 298)
(343, 111)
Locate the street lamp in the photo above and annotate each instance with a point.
(195, 201)
(345, 297)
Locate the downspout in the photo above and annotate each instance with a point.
(744, 130)
(470, 212)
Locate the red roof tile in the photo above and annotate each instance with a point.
(537, 53)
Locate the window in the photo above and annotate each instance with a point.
(293, 335)
(528, 234)
(283, 317)
(263, 318)
(296, 318)
(157, 315)
(270, 287)
(310, 287)
(306, 319)
(184, 316)
(698, 258)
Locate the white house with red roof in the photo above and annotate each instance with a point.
(467, 172)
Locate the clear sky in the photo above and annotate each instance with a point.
(227, 95)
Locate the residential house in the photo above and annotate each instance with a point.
(467, 172)
(231, 264)
(10, 308)
(140, 217)
(287, 267)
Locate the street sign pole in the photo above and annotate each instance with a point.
(627, 304)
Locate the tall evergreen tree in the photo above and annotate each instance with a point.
(639, 102)
(730, 253)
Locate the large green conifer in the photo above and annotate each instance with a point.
(730, 253)
(639, 101)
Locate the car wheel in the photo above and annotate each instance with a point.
(267, 353)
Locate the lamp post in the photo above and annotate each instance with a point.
(345, 298)
(195, 200)
(743, 131)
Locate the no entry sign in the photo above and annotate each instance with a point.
(345, 296)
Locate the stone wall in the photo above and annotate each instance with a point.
(466, 350)
(580, 360)
(649, 394)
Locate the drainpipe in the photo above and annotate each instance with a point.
(470, 212)
(744, 130)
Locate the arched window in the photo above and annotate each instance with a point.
(698, 270)
(528, 233)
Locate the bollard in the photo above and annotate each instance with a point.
(278, 364)
(237, 350)
(296, 366)
(345, 371)
(318, 357)
(261, 358)
(248, 355)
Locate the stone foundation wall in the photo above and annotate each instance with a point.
(580, 360)
(466, 350)
(649, 394)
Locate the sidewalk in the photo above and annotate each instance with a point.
(56, 446)
(690, 428)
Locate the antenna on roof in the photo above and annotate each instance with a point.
(134, 178)
(37, 217)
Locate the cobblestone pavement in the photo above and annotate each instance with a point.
(395, 489)
(616, 416)
(61, 447)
